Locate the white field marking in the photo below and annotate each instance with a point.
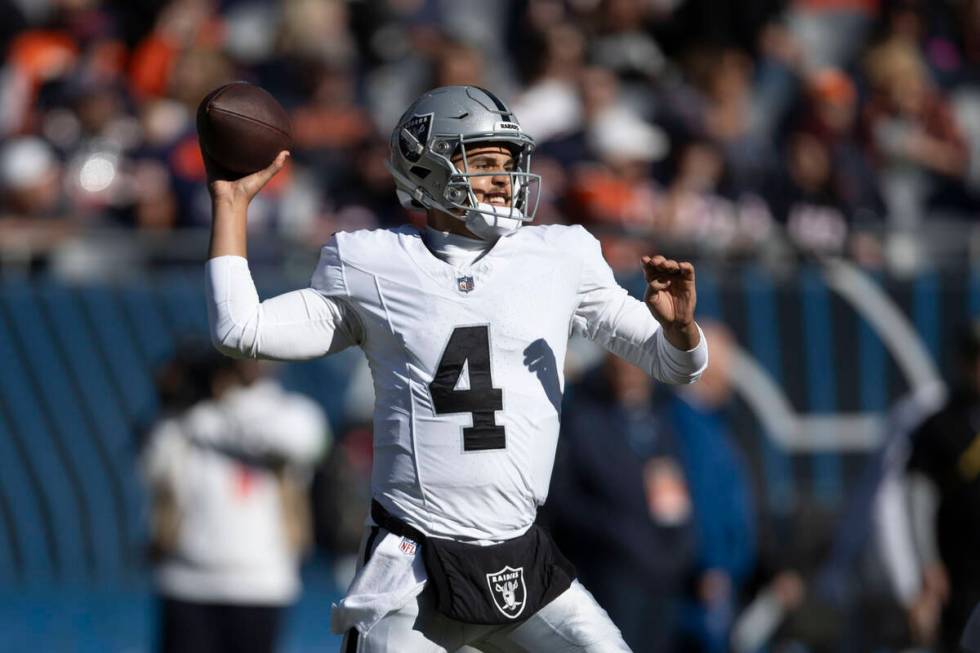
(853, 432)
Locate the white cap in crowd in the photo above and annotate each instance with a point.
(24, 162)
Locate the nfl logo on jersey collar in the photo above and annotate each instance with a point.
(465, 284)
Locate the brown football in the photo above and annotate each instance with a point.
(242, 128)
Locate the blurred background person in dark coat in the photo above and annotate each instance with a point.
(943, 483)
(724, 513)
(621, 505)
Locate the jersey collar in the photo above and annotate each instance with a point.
(445, 274)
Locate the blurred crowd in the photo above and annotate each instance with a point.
(730, 127)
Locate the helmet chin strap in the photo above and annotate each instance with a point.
(491, 222)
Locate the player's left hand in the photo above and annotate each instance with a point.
(671, 297)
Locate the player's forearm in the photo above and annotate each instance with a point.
(229, 220)
(633, 334)
(297, 325)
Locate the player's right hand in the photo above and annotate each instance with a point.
(240, 191)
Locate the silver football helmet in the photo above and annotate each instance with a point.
(440, 125)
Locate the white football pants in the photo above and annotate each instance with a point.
(573, 622)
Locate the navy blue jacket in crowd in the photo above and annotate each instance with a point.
(597, 504)
(718, 480)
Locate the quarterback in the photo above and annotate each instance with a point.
(465, 327)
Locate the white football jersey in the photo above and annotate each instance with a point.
(467, 365)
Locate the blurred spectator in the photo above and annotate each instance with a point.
(624, 45)
(831, 31)
(718, 103)
(227, 471)
(317, 30)
(869, 574)
(331, 119)
(758, 624)
(724, 514)
(34, 57)
(913, 136)
(886, 475)
(612, 184)
(619, 471)
(161, 58)
(457, 64)
(944, 494)
(30, 179)
(34, 207)
(549, 105)
(368, 198)
(405, 39)
(831, 115)
(697, 208)
(929, 27)
(845, 209)
(329, 127)
(805, 199)
(784, 612)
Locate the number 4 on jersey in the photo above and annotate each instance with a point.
(470, 346)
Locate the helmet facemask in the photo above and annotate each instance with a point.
(461, 199)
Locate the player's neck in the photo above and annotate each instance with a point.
(456, 250)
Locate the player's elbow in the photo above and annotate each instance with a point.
(228, 344)
(231, 351)
(232, 337)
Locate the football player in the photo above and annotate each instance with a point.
(465, 327)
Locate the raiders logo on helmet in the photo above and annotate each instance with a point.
(414, 135)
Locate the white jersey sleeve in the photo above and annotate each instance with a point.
(297, 325)
(609, 316)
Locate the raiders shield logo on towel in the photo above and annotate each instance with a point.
(414, 135)
(508, 591)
